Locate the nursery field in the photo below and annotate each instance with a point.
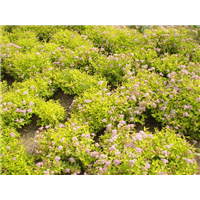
(100, 100)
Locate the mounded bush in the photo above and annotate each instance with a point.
(14, 160)
(123, 151)
(70, 149)
(70, 39)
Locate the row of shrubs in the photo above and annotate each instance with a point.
(154, 72)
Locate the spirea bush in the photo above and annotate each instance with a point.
(75, 82)
(182, 108)
(27, 40)
(14, 160)
(22, 66)
(3, 88)
(70, 39)
(63, 150)
(25, 99)
(122, 150)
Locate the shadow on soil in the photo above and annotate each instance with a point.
(98, 134)
(6, 77)
(150, 123)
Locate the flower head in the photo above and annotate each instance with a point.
(29, 110)
(12, 134)
(57, 158)
(60, 147)
(164, 160)
(67, 170)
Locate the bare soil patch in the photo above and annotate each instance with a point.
(6, 77)
(28, 134)
(150, 123)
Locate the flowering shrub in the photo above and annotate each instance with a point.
(22, 66)
(14, 160)
(113, 68)
(24, 99)
(169, 63)
(173, 41)
(26, 40)
(16, 109)
(20, 108)
(112, 40)
(3, 88)
(42, 32)
(63, 150)
(70, 39)
(37, 86)
(126, 152)
(49, 112)
(78, 28)
(74, 82)
(182, 110)
(80, 58)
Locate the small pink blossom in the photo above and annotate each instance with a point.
(117, 162)
(60, 147)
(57, 158)
(186, 114)
(39, 164)
(61, 126)
(100, 82)
(147, 165)
(29, 110)
(48, 126)
(138, 150)
(162, 173)
(31, 103)
(188, 160)
(67, 170)
(12, 134)
(164, 160)
(75, 139)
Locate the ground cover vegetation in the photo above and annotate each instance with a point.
(118, 78)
